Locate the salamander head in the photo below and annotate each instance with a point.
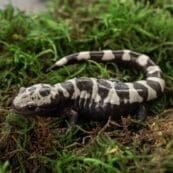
(36, 99)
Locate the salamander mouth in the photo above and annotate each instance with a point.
(37, 111)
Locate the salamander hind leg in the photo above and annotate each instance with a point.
(141, 113)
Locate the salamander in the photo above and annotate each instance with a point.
(95, 98)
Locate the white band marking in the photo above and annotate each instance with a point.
(108, 55)
(142, 60)
(83, 55)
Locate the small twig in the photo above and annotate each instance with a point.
(115, 124)
(167, 112)
(73, 144)
(83, 130)
(85, 138)
(105, 126)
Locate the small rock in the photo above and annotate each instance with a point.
(29, 6)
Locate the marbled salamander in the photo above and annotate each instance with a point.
(93, 97)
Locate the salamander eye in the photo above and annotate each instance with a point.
(31, 107)
(44, 92)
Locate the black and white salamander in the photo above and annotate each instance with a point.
(95, 98)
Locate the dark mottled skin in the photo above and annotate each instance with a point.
(95, 98)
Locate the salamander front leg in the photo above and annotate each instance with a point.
(72, 116)
(141, 113)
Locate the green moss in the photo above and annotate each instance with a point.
(31, 44)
